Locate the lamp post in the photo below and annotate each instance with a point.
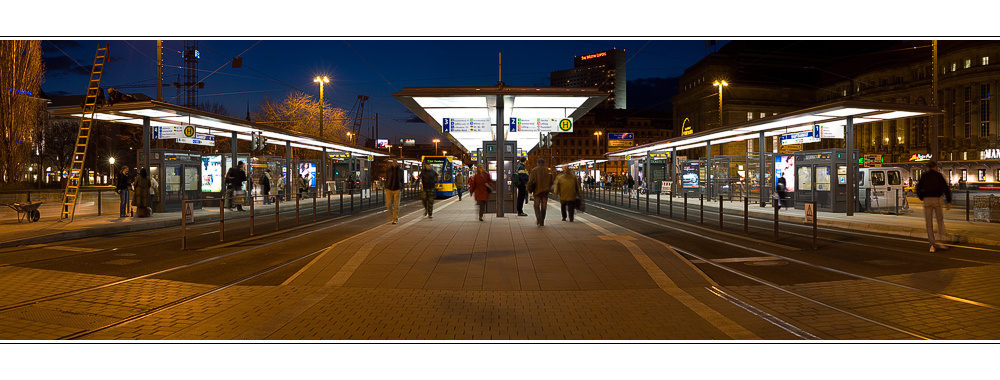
(598, 134)
(321, 81)
(435, 141)
(720, 85)
(349, 139)
(113, 174)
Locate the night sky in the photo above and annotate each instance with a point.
(376, 68)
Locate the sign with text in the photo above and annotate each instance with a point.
(659, 155)
(618, 141)
(475, 124)
(338, 154)
(990, 154)
(518, 124)
(408, 142)
(831, 131)
(173, 131)
(197, 141)
(799, 138)
(810, 211)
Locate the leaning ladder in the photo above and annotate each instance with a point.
(71, 195)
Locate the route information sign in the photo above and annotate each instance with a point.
(452, 125)
(518, 124)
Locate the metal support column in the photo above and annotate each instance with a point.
(708, 167)
(288, 170)
(761, 170)
(673, 170)
(145, 145)
(852, 166)
(501, 180)
(321, 185)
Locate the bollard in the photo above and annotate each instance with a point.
(183, 226)
(341, 203)
(720, 213)
(328, 204)
(99, 204)
(701, 201)
(222, 219)
(647, 202)
(352, 202)
(314, 208)
(746, 215)
(815, 219)
(297, 210)
(277, 200)
(657, 203)
(776, 222)
(967, 205)
(685, 207)
(251, 214)
(897, 202)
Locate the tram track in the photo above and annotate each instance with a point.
(131, 279)
(813, 299)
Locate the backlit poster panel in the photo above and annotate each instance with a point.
(784, 166)
(211, 174)
(689, 175)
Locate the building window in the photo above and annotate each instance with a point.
(944, 70)
(885, 82)
(749, 115)
(899, 79)
(965, 156)
(763, 115)
(954, 67)
(968, 63)
(986, 61)
(984, 110)
(968, 111)
(981, 175)
(843, 92)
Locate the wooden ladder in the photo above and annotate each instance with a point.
(71, 195)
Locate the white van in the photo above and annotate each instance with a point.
(877, 189)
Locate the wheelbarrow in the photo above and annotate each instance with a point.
(27, 211)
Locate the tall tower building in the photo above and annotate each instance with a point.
(604, 70)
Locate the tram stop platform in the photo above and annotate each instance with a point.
(453, 277)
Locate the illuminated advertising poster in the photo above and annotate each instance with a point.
(784, 166)
(690, 176)
(381, 143)
(308, 170)
(211, 174)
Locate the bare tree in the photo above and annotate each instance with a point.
(299, 112)
(21, 75)
(60, 139)
(213, 107)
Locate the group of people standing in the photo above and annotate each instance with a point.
(144, 189)
(539, 182)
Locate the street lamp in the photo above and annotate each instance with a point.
(112, 162)
(720, 85)
(598, 134)
(444, 152)
(321, 81)
(349, 140)
(435, 141)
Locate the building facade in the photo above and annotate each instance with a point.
(604, 70)
(772, 77)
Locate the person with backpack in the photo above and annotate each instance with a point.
(521, 182)
(234, 183)
(428, 182)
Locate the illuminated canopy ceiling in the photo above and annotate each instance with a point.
(833, 114)
(165, 114)
(433, 104)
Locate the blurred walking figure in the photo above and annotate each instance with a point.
(141, 200)
(540, 185)
(930, 188)
(122, 186)
(393, 184)
(428, 180)
(460, 183)
(481, 187)
(521, 181)
(567, 186)
(234, 184)
(303, 185)
(779, 192)
(265, 185)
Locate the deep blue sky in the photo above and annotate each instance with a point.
(275, 67)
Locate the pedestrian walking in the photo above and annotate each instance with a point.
(393, 184)
(281, 188)
(303, 185)
(141, 200)
(567, 187)
(428, 180)
(234, 184)
(629, 183)
(930, 187)
(779, 192)
(460, 183)
(521, 181)
(481, 186)
(122, 186)
(265, 185)
(540, 185)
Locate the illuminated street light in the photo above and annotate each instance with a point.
(321, 81)
(435, 141)
(720, 85)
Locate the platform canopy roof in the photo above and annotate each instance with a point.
(832, 114)
(165, 114)
(434, 104)
(580, 163)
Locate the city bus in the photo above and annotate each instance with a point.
(445, 168)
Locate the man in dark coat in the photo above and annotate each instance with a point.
(265, 185)
(234, 182)
(521, 182)
(122, 186)
(393, 184)
(930, 188)
(428, 180)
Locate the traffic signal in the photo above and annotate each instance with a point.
(253, 141)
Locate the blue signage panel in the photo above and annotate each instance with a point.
(620, 136)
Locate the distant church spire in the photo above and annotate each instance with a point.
(248, 109)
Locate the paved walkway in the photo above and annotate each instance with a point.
(908, 223)
(454, 277)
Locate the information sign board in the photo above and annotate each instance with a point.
(799, 138)
(452, 125)
(518, 124)
(173, 131)
(831, 131)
